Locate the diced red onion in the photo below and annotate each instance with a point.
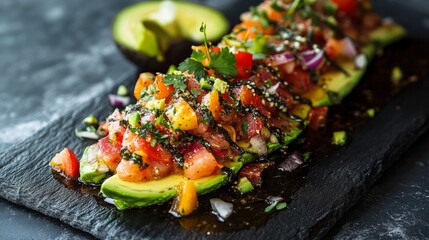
(273, 89)
(118, 101)
(292, 162)
(349, 48)
(361, 61)
(312, 59)
(221, 208)
(258, 145)
(282, 58)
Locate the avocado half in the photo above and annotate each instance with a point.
(334, 86)
(156, 34)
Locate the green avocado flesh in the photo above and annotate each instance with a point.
(141, 194)
(149, 27)
(92, 169)
(334, 86)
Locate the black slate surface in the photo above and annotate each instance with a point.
(36, 65)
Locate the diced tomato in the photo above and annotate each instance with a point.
(145, 79)
(162, 90)
(346, 6)
(182, 116)
(199, 162)
(317, 117)
(248, 30)
(66, 162)
(333, 47)
(299, 79)
(211, 100)
(109, 151)
(186, 200)
(132, 172)
(250, 98)
(136, 143)
(253, 172)
(244, 63)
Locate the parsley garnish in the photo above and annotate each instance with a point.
(178, 81)
(223, 61)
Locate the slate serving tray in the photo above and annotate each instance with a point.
(333, 184)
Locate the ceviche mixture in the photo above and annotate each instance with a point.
(205, 123)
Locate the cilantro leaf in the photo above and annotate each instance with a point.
(178, 81)
(223, 62)
(192, 66)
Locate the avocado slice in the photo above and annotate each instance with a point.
(334, 86)
(141, 194)
(147, 31)
(92, 169)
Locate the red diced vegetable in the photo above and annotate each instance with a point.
(66, 162)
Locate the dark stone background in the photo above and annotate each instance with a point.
(57, 54)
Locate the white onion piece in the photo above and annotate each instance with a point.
(118, 101)
(258, 145)
(282, 58)
(273, 199)
(361, 61)
(88, 135)
(312, 59)
(349, 48)
(110, 201)
(273, 89)
(221, 208)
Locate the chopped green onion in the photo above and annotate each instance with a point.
(270, 207)
(281, 205)
(90, 120)
(122, 91)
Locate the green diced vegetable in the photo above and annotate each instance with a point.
(205, 85)
(370, 112)
(122, 91)
(244, 185)
(134, 120)
(396, 75)
(90, 120)
(220, 85)
(339, 138)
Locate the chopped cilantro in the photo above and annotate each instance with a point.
(193, 66)
(178, 81)
(195, 92)
(223, 62)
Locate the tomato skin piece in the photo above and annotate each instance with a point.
(199, 162)
(66, 162)
(109, 151)
(253, 172)
(244, 63)
(346, 6)
(317, 117)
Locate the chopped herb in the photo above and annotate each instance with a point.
(193, 66)
(195, 92)
(153, 142)
(270, 207)
(177, 80)
(223, 62)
